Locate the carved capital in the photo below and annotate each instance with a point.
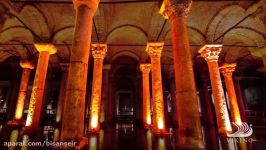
(210, 52)
(174, 8)
(26, 64)
(154, 49)
(98, 50)
(145, 68)
(91, 4)
(228, 69)
(45, 47)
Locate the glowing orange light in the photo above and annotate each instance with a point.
(238, 120)
(160, 123)
(29, 119)
(20, 105)
(228, 125)
(148, 120)
(94, 121)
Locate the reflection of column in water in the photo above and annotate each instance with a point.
(149, 140)
(25, 141)
(56, 134)
(93, 143)
(13, 138)
(101, 139)
(161, 144)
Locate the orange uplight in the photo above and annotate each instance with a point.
(29, 119)
(20, 105)
(238, 120)
(228, 125)
(160, 123)
(149, 120)
(94, 121)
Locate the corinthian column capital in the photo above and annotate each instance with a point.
(92, 4)
(145, 68)
(175, 8)
(45, 47)
(154, 49)
(228, 69)
(98, 50)
(210, 52)
(26, 65)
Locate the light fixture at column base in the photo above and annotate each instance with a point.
(16, 123)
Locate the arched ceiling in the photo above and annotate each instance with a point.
(126, 28)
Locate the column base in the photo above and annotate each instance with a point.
(147, 126)
(31, 130)
(160, 132)
(17, 123)
(93, 131)
(76, 144)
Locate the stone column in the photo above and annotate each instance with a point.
(188, 136)
(27, 67)
(98, 53)
(154, 50)
(105, 95)
(145, 69)
(74, 110)
(33, 118)
(62, 94)
(211, 139)
(211, 54)
(240, 99)
(227, 70)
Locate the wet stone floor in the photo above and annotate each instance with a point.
(121, 136)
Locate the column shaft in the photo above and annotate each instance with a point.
(240, 100)
(22, 93)
(74, 110)
(207, 115)
(157, 95)
(18, 117)
(146, 100)
(62, 97)
(189, 136)
(185, 86)
(145, 68)
(227, 71)
(94, 125)
(105, 93)
(35, 105)
(219, 99)
(154, 50)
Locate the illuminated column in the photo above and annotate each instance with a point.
(27, 67)
(176, 11)
(211, 54)
(145, 69)
(227, 70)
(98, 53)
(35, 105)
(154, 50)
(74, 110)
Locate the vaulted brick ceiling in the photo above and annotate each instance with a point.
(126, 28)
